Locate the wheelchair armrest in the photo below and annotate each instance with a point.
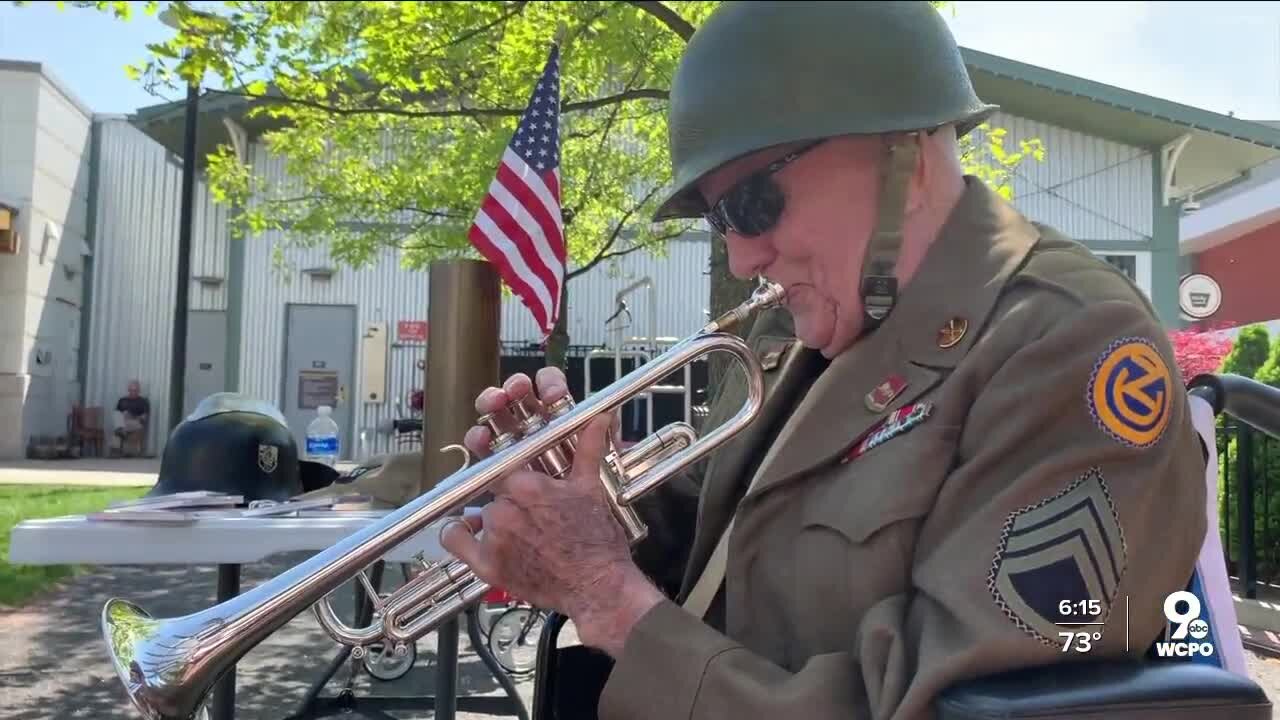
(1110, 689)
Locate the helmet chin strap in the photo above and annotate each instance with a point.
(879, 285)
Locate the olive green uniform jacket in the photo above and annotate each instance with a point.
(1031, 444)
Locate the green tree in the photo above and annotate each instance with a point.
(1249, 352)
(1269, 372)
(395, 114)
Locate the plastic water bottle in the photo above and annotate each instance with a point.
(322, 437)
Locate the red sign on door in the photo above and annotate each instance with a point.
(411, 331)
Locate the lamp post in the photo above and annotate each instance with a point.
(222, 705)
(182, 294)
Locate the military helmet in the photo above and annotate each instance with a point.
(760, 74)
(235, 444)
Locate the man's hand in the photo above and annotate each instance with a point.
(554, 542)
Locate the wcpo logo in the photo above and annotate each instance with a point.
(1183, 611)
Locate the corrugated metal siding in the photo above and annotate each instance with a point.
(1087, 187)
(388, 293)
(139, 200)
(385, 292)
(403, 377)
(210, 233)
(681, 284)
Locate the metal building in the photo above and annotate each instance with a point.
(44, 195)
(1118, 167)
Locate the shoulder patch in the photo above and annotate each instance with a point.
(1129, 392)
(1059, 562)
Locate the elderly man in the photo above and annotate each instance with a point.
(134, 410)
(976, 440)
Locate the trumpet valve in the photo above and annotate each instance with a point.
(560, 407)
(502, 439)
(557, 460)
(528, 421)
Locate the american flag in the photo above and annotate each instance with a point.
(519, 227)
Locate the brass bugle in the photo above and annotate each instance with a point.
(169, 666)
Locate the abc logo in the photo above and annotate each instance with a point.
(1183, 610)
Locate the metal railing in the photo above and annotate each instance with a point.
(1248, 445)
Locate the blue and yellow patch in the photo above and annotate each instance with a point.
(1130, 392)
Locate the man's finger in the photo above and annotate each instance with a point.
(524, 487)
(491, 399)
(592, 446)
(552, 384)
(457, 539)
(519, 388)
(476, 441)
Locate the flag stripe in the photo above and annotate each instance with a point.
(516, 197)
(522, 191)
(548, 197)
(486, 236)
(519, 226)
(524, 237)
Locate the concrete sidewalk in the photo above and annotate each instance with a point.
(54, 663)
(101, 472)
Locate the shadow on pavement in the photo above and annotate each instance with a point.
(54, 662)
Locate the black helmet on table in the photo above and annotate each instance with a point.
(761, 74)
(240, 446)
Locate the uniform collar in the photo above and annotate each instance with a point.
(961, 277)
(983, 242)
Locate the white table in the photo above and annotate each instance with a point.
(208, 540)
(219, 538)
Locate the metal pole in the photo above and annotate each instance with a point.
(462, 360)
(1244, 471)
(178, 359)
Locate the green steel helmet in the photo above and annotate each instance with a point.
(760, 74)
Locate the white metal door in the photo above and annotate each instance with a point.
(320, 352)
(206, 371)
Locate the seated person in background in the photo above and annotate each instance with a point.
(134, 410)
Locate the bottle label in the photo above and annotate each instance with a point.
(322, 445)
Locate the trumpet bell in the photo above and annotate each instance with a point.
(155, 665)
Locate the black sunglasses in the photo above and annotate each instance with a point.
(754, 204)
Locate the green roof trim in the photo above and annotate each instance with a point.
(1222, 148)
(981, 63)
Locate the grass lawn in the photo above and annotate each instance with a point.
(30, 502)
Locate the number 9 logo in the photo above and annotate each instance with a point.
(1182, 620)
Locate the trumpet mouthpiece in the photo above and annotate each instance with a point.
(766, 295)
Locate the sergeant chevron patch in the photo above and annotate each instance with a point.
(1059, 562)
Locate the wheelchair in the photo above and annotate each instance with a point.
(1206, 688)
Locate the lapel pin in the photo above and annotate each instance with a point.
(950, 334)
(884, 393)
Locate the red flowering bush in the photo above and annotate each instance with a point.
(1198, 352)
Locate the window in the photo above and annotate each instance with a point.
(1136, 265)
(1128, 264)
